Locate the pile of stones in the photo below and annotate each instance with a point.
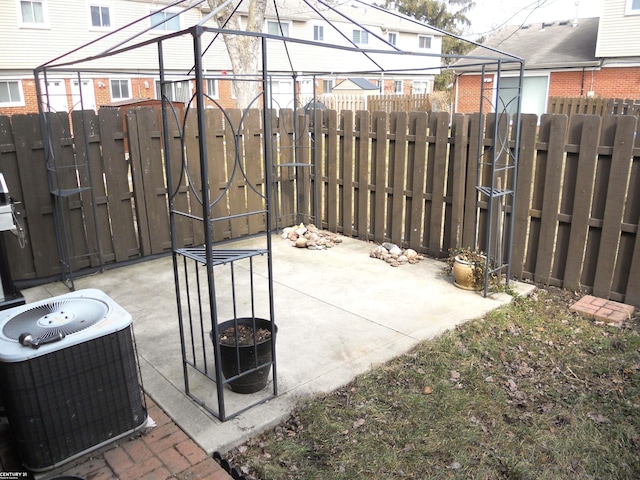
(310, 237)
(394, 255)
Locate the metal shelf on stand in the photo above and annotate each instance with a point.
(219, 257)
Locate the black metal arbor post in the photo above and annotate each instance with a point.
(216, 158)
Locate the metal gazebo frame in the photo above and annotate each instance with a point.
(202, 301)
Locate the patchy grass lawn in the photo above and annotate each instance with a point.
(532, 391)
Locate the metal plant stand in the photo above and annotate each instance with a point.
(221, 283)
(496, 175)
(71, 184)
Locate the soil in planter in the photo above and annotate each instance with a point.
(244, 334)
(252, 352)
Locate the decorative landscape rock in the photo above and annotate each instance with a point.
(394, 255)
(310, 237)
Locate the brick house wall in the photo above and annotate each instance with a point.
(607, 82)
(467, 94)
(30, 100)
(141, 88)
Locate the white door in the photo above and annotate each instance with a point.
(282, 94)
(54, 96)
(88, 95)
(306, 87)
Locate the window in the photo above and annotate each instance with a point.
(392, 38)
(633, 7)
(165, 21)
(424, 41)
(327, 85)
(273, 28)
(100, 16)
(420, 86)
(398, 87)
(318, 33)
(33, 13)
(177, 91)
(11, 93)
(120, 89)
(212, 88)
(360, 37)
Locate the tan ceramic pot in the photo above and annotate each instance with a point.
(463, 275)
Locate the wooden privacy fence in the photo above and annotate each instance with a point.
(406, 178)
(593, 106)
(373, 103)
(337, 102)
(399, 103)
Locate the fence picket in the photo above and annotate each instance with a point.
(287, 198)
(36, 196)
(330, 167)
(175, 154)
(416, 168)
(378, 174)
(526, 161)
(305, 180)
(254, 171)
(362, 174)
(192, 171)
(87, 146)
(454, 201)
(148, 178)
(119, 195)
(613, 211)
(439, 129)
(552, 131)
(20, 257)
(346, 156)
(469, 234)
(316, 169)
(67, 189)
(632, 215)
(234, 158)
(584, 131)
(396, 169)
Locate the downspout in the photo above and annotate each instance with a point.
(456, 86)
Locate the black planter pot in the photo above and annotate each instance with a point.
(255, 381)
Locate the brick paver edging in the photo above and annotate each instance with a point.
(603, 310)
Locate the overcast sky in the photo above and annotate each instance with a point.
(491, 14)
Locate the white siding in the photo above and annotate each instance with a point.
(69, 27)
(618, 34)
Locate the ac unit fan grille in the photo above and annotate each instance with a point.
(67, 316)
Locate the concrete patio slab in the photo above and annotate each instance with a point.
(339, 313)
